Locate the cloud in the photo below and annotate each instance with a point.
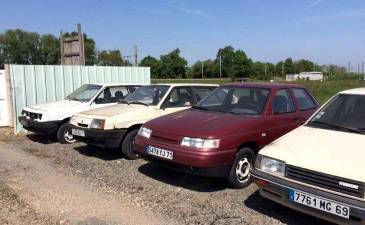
(193, 12)
(343, 15)
(313, 4)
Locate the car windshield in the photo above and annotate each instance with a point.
(84, 93)
(235, 100)
(147, 95)
(344, 112)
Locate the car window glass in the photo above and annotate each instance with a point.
(201, 92)
(236, 100)
(149, 94)
(179, 97)
(303, 99)
(344, 110)
(282, 102)
(111, 95)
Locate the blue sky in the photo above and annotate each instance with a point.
(326, 31)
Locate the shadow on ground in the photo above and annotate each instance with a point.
(43, 139)
(104, 154)
(178, 179)
(281, 213)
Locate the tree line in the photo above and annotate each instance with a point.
(22, 47)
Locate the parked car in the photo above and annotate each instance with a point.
(52, 118)
(221, 135)
(116, 126)
(318, 168)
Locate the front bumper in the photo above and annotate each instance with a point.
(100, 138)
(215, 163)
(46, 128)
(277, 190)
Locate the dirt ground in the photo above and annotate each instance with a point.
(44, 182)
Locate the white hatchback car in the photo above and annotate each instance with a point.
(116, 126)
(51, 118)
(319, 167)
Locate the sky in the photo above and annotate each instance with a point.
(325, 31)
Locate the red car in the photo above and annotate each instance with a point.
(222, 134)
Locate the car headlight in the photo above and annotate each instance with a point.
(97, 124)
(145, 132)
(270, 165)
(200, 143)
(73, 120)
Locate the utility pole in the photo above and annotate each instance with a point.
(202, 69)
(362, 69)
(282, 69)
(135, 55)
(265, 70)
(349, 67)
(220, 67)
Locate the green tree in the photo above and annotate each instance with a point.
(172, 65)
(153, 63)
(289, 66)
(111, 58)
(50, 49)
(304, 65)
(20, 47)
(234, 63)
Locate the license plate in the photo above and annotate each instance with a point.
(319, 203)
(160, 152)
(78, 132)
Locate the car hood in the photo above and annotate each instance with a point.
(115, 110)
(327, 151)
(63, 105)
(195, 123)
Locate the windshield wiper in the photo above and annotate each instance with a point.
(138, 103)
(337, 127)
(198, 107)
(123, 102)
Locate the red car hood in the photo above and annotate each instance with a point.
(196, 123)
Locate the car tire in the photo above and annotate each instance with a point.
(64, 135)
(240, 175)
(128, 145)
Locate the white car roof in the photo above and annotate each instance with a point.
(117, 84)
(355, 91)
(187, 84)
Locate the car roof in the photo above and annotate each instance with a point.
(355, 91)
(270, 85)
(187, 84)
(118, 84)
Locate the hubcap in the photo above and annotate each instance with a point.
(69, 137)
(243, 170)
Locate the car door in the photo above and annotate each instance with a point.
(306, 104)
(179, 98)
(283, 116)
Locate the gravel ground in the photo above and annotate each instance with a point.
(185, 199)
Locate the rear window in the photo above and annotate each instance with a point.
(303, 99)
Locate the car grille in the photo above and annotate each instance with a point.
(163, 139)
(326, 181)
(32, 115)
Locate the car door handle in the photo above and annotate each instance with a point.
(296, 119)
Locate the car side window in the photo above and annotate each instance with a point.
(201, 92)
(179, 97)
(303, 99)
(111, 95)
(282, 102)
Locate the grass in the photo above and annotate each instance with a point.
(322, 91)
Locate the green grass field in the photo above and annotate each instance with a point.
(321, 90)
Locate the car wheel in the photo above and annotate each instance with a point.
(64, 135)
(128, 145)
(240, 175)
